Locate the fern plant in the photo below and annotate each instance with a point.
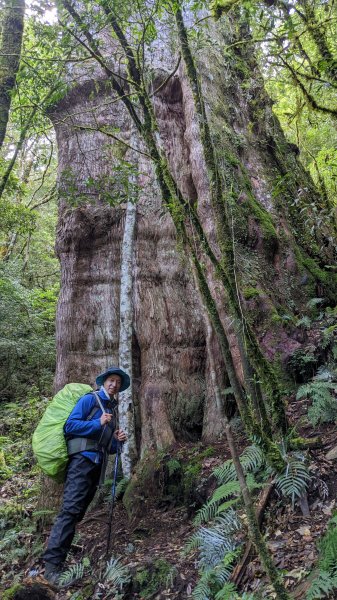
(74, 573)
(121, 487)
(322, 586)
(173, 465)
(217, 544)
(251, 459)
(294, 481)
(215, 541)
(326, 581)
(116, 573)
(323, 397)
(213, 580)
(229, 592)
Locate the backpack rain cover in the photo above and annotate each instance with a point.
(49, 444)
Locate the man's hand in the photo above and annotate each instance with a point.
(120, 436)
(105, 418)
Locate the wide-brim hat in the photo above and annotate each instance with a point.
(114, 371)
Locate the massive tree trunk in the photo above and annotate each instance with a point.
(169, 335)
(266, 193)
(10, 51)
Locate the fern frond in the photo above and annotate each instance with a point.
(9, 540)
(214, 542)
(209, 510)
(251, 459)
(294, 481)
(322, 586)
(322, 394)
(314, 388)
(227, 522)
(116, 573)
(173, 465)
(225, 472)
(121, 486)
(228, 592)
(75, 572)
(313, 302)
(328, 548)
(202, 590)
(226, 505)
(225, 491)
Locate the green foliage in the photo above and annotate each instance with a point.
(74, 573)
(158, 576)
(251, 459)
(19, 420)
(218, 543)
(121, 487)
(173, 466)
(302, 364)
(116, 574)
(214, 581)
(9, 594)
(229, 592)
(27, 347)
(326, 581)
(215, 541)
(294, 481)
(323, 397)
(211, 508)
(113, 189)
(322, 586)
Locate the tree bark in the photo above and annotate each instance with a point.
(10, 52)
(169, 339)
(125, 404)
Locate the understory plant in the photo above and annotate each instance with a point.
(322, 391)
(219, 543)
(326, 581)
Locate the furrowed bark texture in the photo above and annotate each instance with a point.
(267, 199)
(170, 366)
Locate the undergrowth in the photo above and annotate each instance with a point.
(219, 544)
(326, 581)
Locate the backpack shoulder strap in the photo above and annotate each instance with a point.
(98, 404)
(98, 400)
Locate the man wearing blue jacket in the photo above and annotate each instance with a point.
(91, 434)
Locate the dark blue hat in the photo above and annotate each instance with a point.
(114, 371)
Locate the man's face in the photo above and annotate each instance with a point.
(112, 384)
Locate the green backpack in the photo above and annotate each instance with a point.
(49, 445)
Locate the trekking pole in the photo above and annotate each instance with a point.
(113, 494)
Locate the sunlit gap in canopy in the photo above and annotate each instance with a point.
(44, 11)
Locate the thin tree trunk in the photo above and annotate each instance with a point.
(10, 51)
(253, 526)
(252, 520)
(22, 138)
(125, 405)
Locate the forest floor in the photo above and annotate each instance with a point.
(152, 544)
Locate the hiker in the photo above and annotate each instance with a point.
(91, 435)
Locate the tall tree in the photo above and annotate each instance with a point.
(222, 201)
(10, 51)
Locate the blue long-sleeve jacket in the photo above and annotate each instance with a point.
(77, 424)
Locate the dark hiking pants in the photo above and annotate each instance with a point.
(80, 487)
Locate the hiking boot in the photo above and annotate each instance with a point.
(52, 573)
